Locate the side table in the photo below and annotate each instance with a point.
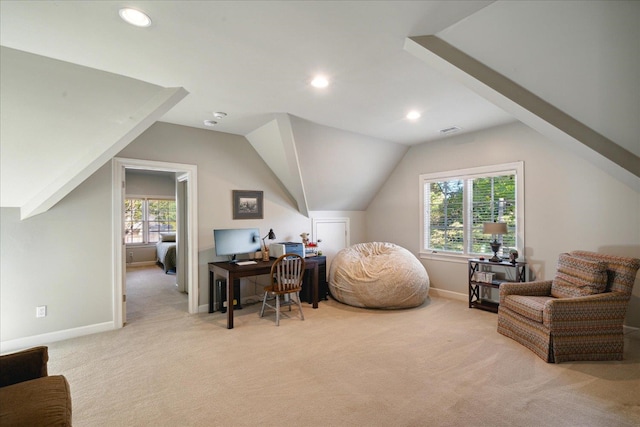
(477, 267)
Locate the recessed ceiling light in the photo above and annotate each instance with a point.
(413, 115)
(135, 17)
(320, 82)
(219, 114)
(210, 123)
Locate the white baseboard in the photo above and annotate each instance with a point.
(43, 339)
(448, 294)
(141, 263)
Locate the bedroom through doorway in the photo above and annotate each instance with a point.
(151, 225)
(150, 232)
(136, 236)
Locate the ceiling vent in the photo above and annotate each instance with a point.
(452, 129)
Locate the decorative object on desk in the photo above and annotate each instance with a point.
(311, 249)
(378, 275)
(247, 204)
(513, 256)
(496, 229)
(265, 249)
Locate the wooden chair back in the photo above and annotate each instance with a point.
(287, 272)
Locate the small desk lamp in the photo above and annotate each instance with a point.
(496, 229)
(265, 252)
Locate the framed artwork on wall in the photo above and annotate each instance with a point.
(247, 204)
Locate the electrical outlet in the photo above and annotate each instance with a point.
(41, 311)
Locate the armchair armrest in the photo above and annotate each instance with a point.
(23, 366)
(539, 288)
(606, 309)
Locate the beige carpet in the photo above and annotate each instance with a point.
(441, 364)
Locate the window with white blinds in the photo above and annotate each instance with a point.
(456, 204)
(145, 218)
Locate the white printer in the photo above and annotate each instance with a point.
(278, 249)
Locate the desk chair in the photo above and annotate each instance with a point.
(286, 279)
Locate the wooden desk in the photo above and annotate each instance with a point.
(230, 272)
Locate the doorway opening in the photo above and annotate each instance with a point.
(187, 228)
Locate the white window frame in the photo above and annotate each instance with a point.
(477, 172)
(145, 216)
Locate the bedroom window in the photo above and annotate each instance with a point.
(455, 204)
(145, 218)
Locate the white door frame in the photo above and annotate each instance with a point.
(118, 172)
(182, 254)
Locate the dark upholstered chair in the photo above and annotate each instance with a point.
(286, 277)
(576, 316)
(28, 395)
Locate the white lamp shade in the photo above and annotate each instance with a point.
(494, 228)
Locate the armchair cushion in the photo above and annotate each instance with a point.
(28, 395)
(531, 307)
(576, 277)
(45, 401)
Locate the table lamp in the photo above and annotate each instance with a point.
(265, 251)
(496, 229)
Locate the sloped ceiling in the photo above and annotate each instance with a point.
(61, 122)
(529, 108)
(275, 143)
(99, 82)
(569, 70)
(325, 168)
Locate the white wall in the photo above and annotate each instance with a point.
(150, 184)
(225, 162)
(44, 262)
(569, 204)
(61, 259)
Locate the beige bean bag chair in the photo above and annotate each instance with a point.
(378, 275)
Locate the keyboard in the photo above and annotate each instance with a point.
(245, 262)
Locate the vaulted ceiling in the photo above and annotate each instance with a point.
(78, 83)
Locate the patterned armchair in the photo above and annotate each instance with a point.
(576, 316)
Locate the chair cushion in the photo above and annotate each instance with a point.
(577, 277)
(531, 307)
(44, 401)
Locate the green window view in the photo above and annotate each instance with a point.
(455, 210)
(146, 218)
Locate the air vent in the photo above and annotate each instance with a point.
(452, 129)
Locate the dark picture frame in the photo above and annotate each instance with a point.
(248, 204)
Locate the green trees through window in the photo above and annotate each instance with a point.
(146, 218)
(457, 204)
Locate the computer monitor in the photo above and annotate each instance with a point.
(236, 241)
